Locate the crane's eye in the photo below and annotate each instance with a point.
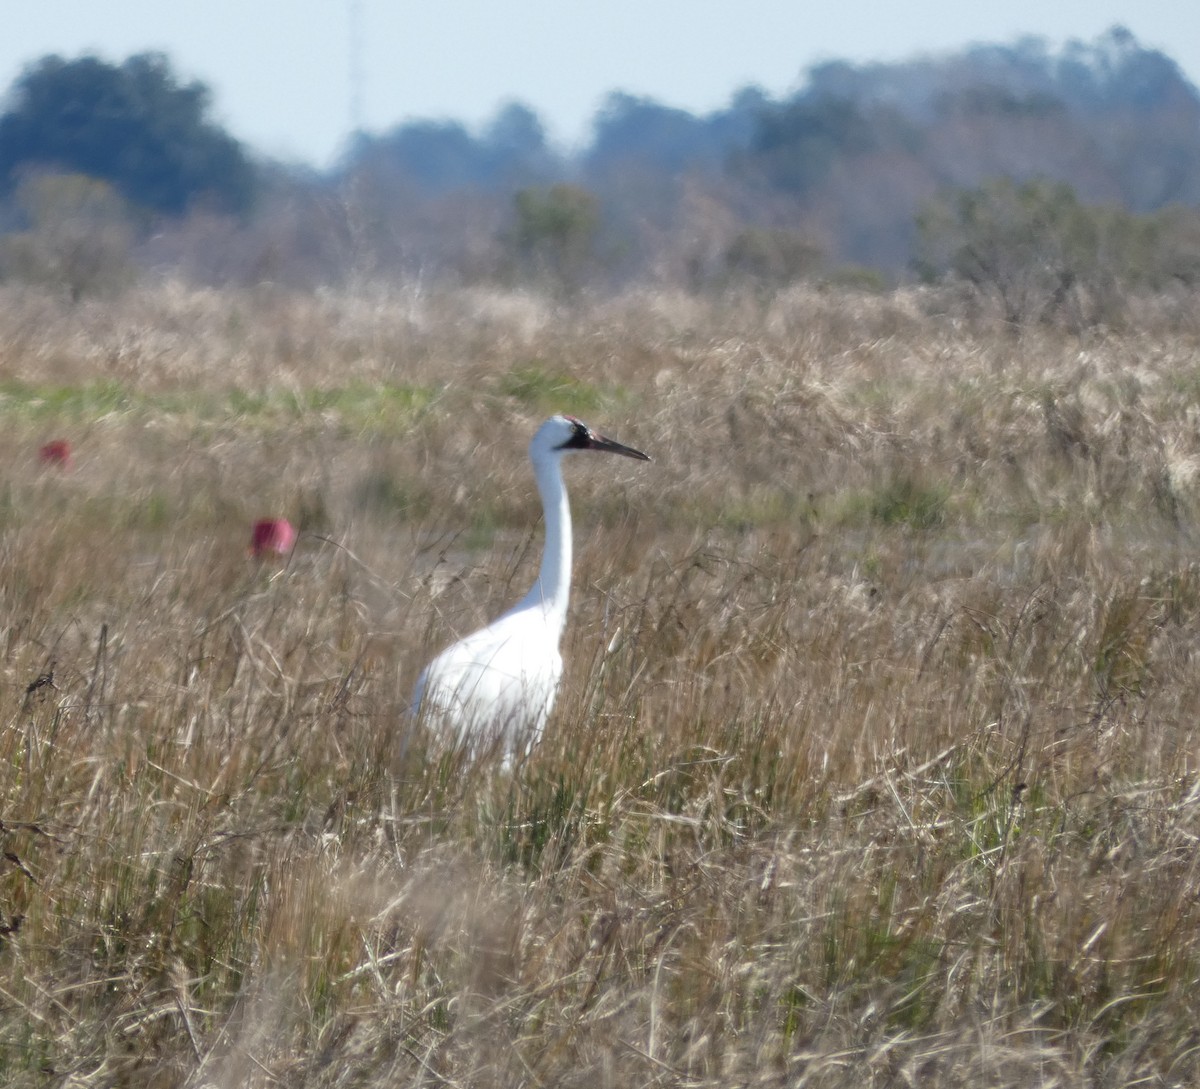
(581, 437)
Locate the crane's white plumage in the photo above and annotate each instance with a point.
(498, 684)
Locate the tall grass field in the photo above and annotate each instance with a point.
(876, 760)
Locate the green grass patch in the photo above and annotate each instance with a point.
(549, 391)
(758, 507)
(904, 501)
(379, 409)
(900, 501)
(21, 400)
(357, 407)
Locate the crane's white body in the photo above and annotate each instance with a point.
(497, 686)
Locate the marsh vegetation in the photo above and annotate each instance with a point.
(875, 762)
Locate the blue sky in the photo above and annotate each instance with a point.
(280, 70)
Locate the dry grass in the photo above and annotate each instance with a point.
(876, 759)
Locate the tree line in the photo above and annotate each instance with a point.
(1046, 181)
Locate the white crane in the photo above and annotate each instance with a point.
(497, 685)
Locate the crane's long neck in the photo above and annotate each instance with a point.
(553, 586)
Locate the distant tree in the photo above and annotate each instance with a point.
(438, 157)
(771, 258)
(79, 237)
(516, 129)
(132, 125)
(630, 129)
(1023, 246)
(435, 155)
(650, 166)
(515, 142)
(555, 234)
(987, 100)
(1176, 246)
(796, 144)
(1042, 255)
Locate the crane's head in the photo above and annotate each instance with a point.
(562, 434)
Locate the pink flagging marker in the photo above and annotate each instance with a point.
(272, 535)
(57, 452)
